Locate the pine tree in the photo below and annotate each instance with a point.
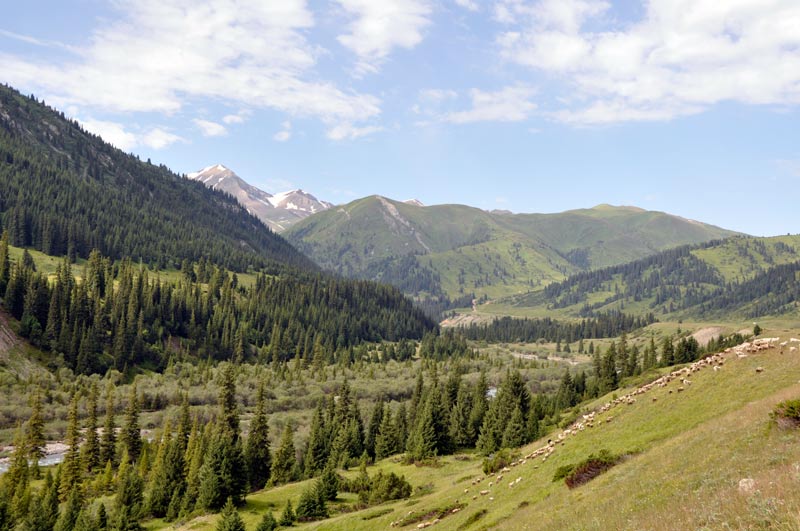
(460, 426)
(317, 450)
(71, 466)
(257, 452)
(131, 433)
(287, 517)
(229, 409)
(5, 262)
(374, 427)
(230, 519)
(388, 441)
(69, 514)
(422, 439)
(312, 504)
(223, 474)
(108, 440)
(329, 483)
(267, 523)
(129, 499)
(284, 462)
(514, 434)
(91, 447)
(35, 430)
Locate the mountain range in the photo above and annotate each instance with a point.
(278, 211)
(457, 250)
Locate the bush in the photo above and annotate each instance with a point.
(562, 472)
(593, 466)
(787, 414)
(387, 487)
(500, 459)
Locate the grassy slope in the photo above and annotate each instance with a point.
(489, 253)
(688, 452)
(735, 259)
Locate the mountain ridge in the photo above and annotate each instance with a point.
(464, 249)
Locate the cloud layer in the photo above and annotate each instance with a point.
(682, 57)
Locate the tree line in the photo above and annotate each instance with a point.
(121, 315)
(516, 330)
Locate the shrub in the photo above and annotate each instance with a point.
(497, 461)
(386, 487)
(593, 466)
(787, 414)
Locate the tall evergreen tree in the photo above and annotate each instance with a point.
(91, 446)
(230, 519)
(108, 440)
(284, 462)
(71, 466)
(257, 452)
(131, 433)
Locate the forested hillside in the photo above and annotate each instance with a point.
(741, 277)
(65, 191)
(456, 251)
(122, 316)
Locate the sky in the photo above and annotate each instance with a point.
(686, 106)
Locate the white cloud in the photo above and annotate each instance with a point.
(112, 132)
(209, 128)
(510, 104)
(351, 132)
(159, 54)
(682, 57)
(238, 118)
(437, 95)
(115, 134)
(285, 133)
(159, 138)
(470, 5)
(382, 25)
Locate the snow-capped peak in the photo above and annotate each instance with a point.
(278, 211)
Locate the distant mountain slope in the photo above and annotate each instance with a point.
(277, 211)
(459, 250)
(67, 191)
(743, 277)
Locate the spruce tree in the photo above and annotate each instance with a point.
(267, 523)
(71, 466)
(230, 519)
(229, 409)
(284, 462)
(131, 433)
(70, 512)
(35, 430)
(287, 517)
(317, 449)
(223, 474)
(108, 440)
(91, 447)
(514, 434)
(5, 262)
(257, 452)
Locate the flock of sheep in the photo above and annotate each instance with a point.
(589, 420)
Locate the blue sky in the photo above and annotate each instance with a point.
(685, 106)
